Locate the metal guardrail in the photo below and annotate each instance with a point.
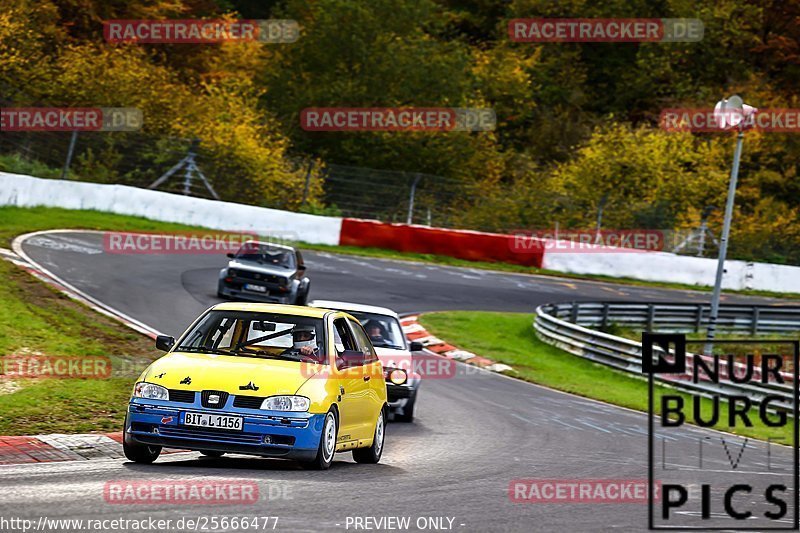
(576, 328)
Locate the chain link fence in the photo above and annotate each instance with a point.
(183, 166)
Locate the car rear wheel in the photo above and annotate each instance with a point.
(373, 454)
(138, 453)
(212, 453)
(327, 444)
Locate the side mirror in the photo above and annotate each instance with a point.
(351, 358)
(415, 346)
(165, 342)
(231, 255)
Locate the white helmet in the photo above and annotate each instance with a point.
(304, 336)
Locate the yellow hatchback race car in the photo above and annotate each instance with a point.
(262, 379)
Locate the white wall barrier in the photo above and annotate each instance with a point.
(26, 191)
(667, 267)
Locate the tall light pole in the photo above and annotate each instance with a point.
(730, 113)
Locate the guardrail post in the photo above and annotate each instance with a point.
(604, 323)
(651, 315)
(574, 313)
(754, 327)
(699, 321)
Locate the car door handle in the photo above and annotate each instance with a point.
(366, 378)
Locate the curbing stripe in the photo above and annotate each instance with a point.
(413, 330)
(59, 447)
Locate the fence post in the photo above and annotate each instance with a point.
(70, 151)
(307, 184)
(574, 315)
(604, 323)
(699, 321)
(651, 315)
(754, 326)
(411, 196)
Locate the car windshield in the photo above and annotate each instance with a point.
(384, 331)
(266, 255)
(252, 334)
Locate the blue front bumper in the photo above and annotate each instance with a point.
(267, 433)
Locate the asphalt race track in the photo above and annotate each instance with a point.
(473, 435)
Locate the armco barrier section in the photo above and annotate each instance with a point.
(463, 244)
(569, 327)
(25, 191)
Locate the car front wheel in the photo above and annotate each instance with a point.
(373, 454)
(138, 453)
(212, 453)
(408, 411)
(302, 295)
(327, 444)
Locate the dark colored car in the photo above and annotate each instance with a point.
(265, 272)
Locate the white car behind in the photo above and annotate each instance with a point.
(393, 350)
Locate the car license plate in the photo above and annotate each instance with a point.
(254, 288)
(213, 421)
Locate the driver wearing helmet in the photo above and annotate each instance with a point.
(304, 342)
(375, 331)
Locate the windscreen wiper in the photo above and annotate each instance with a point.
(386, 345)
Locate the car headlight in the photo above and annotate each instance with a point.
(286, 403)
(397, 376)
(150, 391)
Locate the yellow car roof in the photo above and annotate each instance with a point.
(296, 310)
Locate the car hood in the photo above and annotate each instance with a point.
(253, 266)
(390, 352)
(198, 371)
(398, 359)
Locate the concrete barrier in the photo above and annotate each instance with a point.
(672, 268)
(26, 191)
(463, 244)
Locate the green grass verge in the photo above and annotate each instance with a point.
(509, 338)
(36, 320)
(16, 221)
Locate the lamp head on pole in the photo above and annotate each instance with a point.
(733, 112)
